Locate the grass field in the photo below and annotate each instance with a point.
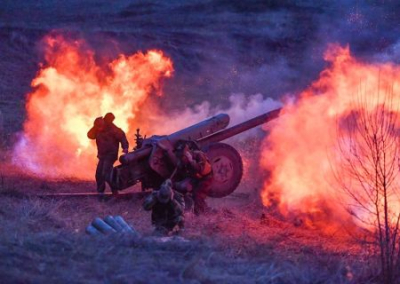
(43, 240)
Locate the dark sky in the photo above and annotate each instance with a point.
(218, 47)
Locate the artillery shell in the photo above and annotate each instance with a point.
(92, 231)
(124, 225)
(113, 223)
(102, 226)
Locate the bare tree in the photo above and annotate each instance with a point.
(368, 171)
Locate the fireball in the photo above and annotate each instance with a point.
(301, 152)
(70, 90)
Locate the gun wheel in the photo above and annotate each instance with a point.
(227, 168)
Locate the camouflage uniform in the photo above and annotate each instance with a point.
(168, 214)
(197, 178)
(108, 137)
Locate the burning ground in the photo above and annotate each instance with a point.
(73, 62)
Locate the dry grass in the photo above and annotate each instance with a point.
(43, 240)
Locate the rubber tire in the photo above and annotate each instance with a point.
(224, 183)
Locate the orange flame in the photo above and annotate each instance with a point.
(301, 148)
(71, 90)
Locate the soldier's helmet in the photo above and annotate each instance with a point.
(109, 118)
(99, 122)
(165, 194)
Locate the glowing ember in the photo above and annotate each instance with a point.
(302, 148)
(71, 90)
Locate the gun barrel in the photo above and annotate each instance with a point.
(202, 129)
(239, 128)
(195, 132)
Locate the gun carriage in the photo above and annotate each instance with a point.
(149, 164)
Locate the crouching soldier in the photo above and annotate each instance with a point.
(167, 209)
(108, 137)
(195, 172)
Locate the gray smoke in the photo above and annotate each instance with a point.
(240, 109)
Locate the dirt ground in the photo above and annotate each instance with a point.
(43, 240)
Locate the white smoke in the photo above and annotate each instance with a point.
(240, 108)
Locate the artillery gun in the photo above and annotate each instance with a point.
(150, 165)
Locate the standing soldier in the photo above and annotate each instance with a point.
(196, 174)
(167, 209)
(108, 137)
